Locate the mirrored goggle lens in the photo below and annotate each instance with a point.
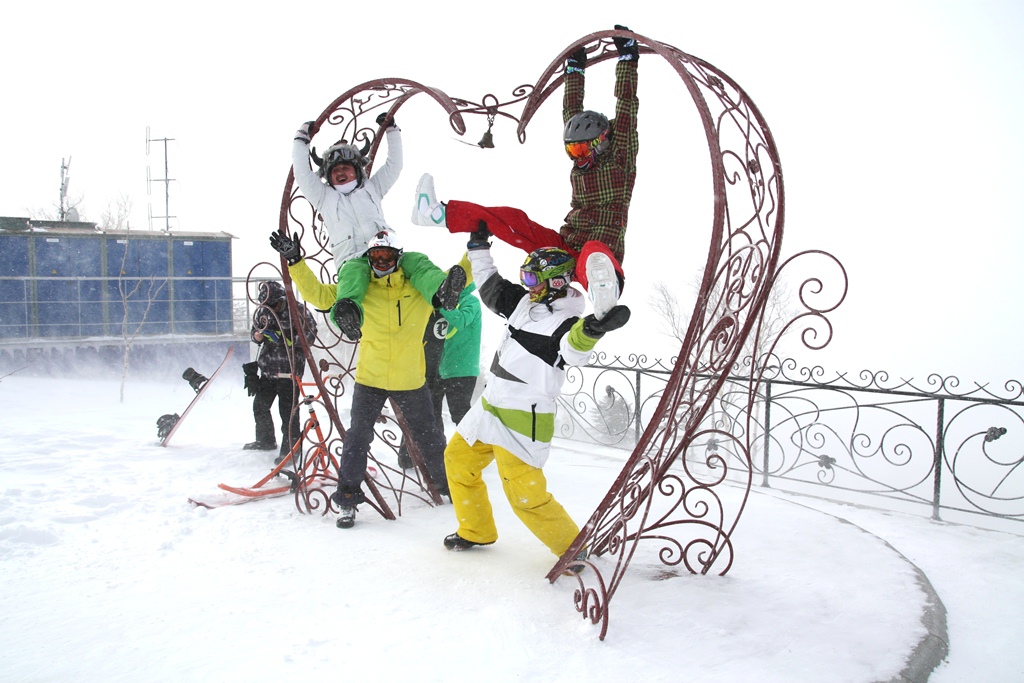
(577, 150)
(529, 278)
(343, 154)
(381, 254)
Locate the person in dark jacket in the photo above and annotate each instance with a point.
(603, 174)
(278, 354)
(433, 348)
(451, 344)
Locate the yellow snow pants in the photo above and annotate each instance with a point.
(525, 488)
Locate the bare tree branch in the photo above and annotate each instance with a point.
(115, 219)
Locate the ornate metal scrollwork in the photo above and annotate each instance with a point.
(351, 117)
(679, 508)
(651, 502)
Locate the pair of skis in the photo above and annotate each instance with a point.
(237, 495)
(313, 471)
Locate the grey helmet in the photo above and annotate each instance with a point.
(342, 152)
(587, 136)
(585, 126)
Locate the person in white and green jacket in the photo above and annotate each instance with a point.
(514, 420)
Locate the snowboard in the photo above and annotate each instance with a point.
(202, 390)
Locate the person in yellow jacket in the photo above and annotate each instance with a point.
(391, 362)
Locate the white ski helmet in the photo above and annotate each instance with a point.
(383, 251)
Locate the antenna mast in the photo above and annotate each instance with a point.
(166, 180)
(65, 178)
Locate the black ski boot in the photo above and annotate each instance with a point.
(346, 316)
(447, 295)
(346, 518)
(456, 542)
(260, 446)
(578, 565)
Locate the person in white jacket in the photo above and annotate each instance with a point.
(339, 190)
(513, 422)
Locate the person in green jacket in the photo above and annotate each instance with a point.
(460, 361)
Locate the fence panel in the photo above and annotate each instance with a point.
(956, 453)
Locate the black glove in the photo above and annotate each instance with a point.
(478, 238)
(612, 320)
(627, 47)
(287, 247)
(346, 316)
(305, 132)
(385, 117)
(577, 61)
(252, 377)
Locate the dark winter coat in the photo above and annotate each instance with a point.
(277, 346)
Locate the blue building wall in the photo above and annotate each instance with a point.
(66, 305)
(73, 282)
(14, 294)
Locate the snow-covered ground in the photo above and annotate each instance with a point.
(110, 575)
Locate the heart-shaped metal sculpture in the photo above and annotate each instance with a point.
(668, 493)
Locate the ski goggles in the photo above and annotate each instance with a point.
(529, 278)
(584, 149)
(343, 154)
(382, 255)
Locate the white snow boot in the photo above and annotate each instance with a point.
(602, 283)
(427, 210)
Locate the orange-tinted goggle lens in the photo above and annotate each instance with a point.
(578, 150)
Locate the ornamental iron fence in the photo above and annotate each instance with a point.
(954, 450)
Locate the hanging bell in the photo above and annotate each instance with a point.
(487, 141)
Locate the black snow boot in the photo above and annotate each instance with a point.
(346, 518)
(447, 295)
(346, 316)
(456, 542)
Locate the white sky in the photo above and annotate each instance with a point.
(897, 125)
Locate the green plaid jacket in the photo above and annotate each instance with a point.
(601, 194)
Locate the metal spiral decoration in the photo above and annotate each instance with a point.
(660, 499)
(678, 510)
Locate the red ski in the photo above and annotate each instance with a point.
(168, 424)
(225, 498)
(253, 492)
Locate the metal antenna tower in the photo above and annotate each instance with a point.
(166, 180)
(65, 178)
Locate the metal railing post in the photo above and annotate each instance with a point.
(636, 410)
(939, 429)
(767, 431)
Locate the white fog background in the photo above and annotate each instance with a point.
(897, 125)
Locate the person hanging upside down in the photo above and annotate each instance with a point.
(603, 174)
